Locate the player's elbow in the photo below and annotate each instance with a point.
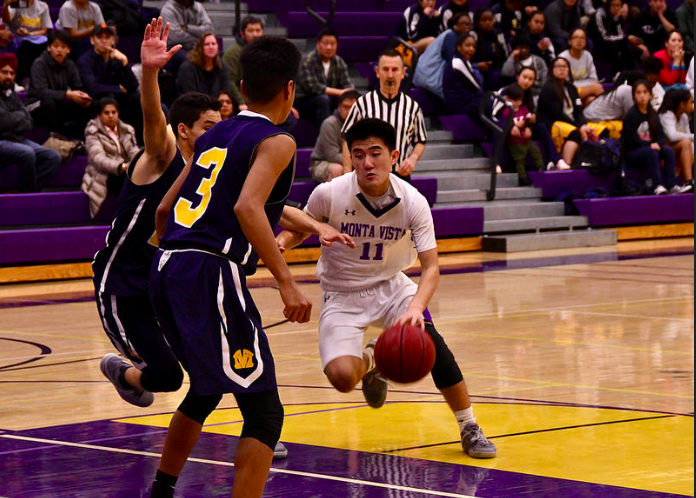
(161, 216)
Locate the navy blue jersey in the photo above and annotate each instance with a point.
(202, 215)
(122, 268)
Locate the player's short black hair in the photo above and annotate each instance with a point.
(268, 64)
(372, 128)
(60, 35)
(327, 32)
(652, 65)
(188, 108)
(352, 95)
(515, 92)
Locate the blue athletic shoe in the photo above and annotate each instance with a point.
(111, 366)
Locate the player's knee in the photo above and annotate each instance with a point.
(342, 373)
(198, 408)
(446, 372)
(263, 416)
(162, 380)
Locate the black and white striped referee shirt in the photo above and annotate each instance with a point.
(402, 112)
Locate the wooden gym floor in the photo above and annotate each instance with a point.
(580, 364)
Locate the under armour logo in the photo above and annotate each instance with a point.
(326, 298)
(353, 212)
(243, 359)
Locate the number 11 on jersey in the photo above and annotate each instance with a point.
(367, 250)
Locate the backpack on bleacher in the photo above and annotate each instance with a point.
(599, 158)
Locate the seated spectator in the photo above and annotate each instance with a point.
(322, 79)
(6, 38)
(125, 14)
(560, 109)
(608, 31)
(252, 28)
(650, 27)
(685, 24)
(690, 78)
(582, 67)
(30, 23)
(491, 48)
(562, 17)
(79, 18)
(36, 164)
(431, 65)
(326, 161)
(652, 68)
(105, 72)
(419, 25)
(55, 96)
(111, 146)
(449, 10)
(203, 72)
(508, 18)
(644, 144)
(675, 120)
(673, 72)
(188, 20)
(535, 34)
(227, 105)
(462, 82)
(610, 108)
(519, 142)
(521, 58)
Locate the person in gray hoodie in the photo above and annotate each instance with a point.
(189, 21)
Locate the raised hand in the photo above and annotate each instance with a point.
(153, 51)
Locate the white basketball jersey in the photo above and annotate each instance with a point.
(388, 239)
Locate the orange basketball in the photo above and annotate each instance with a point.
(404, 354)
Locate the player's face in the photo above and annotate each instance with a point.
(373, 164)
(207, 120)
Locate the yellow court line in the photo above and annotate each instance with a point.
(576, 386)
(57, 336)
(512, 390)
(642, 317)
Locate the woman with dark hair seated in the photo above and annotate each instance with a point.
(204, 72)
(228, 108)
(462, 82)
(609, 109)
(674, 118)
(560, 109)
(673, 74)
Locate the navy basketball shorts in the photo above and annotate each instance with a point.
(211, 322)
(131, 324)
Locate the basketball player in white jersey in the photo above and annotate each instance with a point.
(391, 225)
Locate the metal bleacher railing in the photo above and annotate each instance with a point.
(501, 131)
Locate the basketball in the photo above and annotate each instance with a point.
(404, 354)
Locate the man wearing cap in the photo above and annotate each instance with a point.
(36, 164)
(105, 72)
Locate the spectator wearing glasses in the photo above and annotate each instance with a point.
(582, 67)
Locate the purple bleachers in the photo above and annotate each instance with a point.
(68, 175)
(552, 183)
(431, 104)
(361, 48)
(44, 209)
(463, 128)
(303, 160)
(275, 6)
(305, 133)
(301, 24)
(618, 211)
(51, 244)
(458, 221)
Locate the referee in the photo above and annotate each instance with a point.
(397, 109)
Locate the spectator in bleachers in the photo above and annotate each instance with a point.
(610, 108)
(431, 65)
(389, 104)
(520, 58)
(125, 14)
(111, 145)
(252, 27)
(673, 72)
(36, 164)
(652, 67)
(326, 161)
(519, 142)
(29, 22)
(6, 38)
(675, 120)
(491, 48)
(462, 82)
(644, 144)
(582, 67)
(227, 105)
(188, 20)
(419, 24)
(322, 79)
(650, 27)
(560, 109)
(203, 71)
(105, 72)
(608, 31)
(539, 42)
(562, 17)
(508, 18)
(79, 18)
(55, 96)
(685, 23)
(449, 10)
(690, 78)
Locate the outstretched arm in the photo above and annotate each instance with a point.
(302, 224)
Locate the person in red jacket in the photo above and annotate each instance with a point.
(672, 57)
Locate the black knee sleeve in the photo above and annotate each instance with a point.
(162, 381)
(263, 416)
(199, 407)
(446, 372)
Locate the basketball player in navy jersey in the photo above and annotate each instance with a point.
(391, 224)
(122, 268)
(215, 223)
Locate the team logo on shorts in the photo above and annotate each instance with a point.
(243, 359)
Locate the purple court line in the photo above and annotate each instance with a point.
(362, 405)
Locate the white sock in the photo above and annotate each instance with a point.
(464, 418)
(369, 353)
